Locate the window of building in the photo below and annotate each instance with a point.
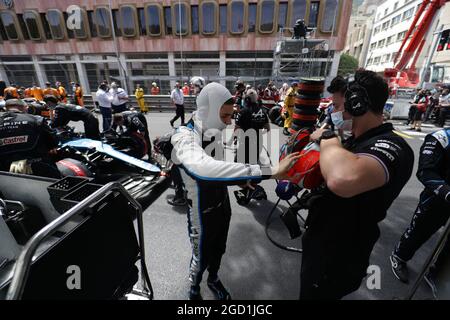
(396, 20)
(389, 40)
(116, 22)
(209, 18)
(97, 72)
(408, 14)
(267, 16)
(45, 26)
(330, 16)
(102, 20)
(314, 14)
(32, 22)
(444, 40)
(396, 6)
(23, 74)
(128, 21)
(282, 14)
(10, 25)
(373, 46)
(92, 27)
(298, 10)
(181, 21)
(142, 26)
(385, 25)
(63, 72)
(23, 27)
(377, 60)
(223, 20)
(153, 20)
(369, 62)
(386, 11)
(194, 20)
(3, 35)
(381, 43)
(237, 17)
(70, 34)
(56, 22)
(252, 12)
(377, 30)
(401, 36)
(83, 31)
(168, 19)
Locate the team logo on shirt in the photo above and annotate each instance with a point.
(13, 140)
(383, 145)
(442, 137)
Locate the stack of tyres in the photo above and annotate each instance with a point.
(307, 102)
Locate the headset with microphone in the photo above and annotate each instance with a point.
(357, 101)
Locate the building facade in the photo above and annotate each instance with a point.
(440, 62)
(392, 21)
(163, 41)
(360, 30)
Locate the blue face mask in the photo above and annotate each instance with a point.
(340, 123)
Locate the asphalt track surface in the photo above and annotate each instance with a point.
(253, 268)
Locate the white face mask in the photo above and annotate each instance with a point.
(340, 123)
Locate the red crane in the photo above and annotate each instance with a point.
(402, 76)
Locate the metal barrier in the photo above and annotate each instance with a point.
(154, 103)
(23, 263)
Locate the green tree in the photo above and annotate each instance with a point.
(347, 65)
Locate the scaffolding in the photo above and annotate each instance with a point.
(300, 58)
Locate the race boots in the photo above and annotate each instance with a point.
(194, 293)
(399, 268)
(179, 200)
(218, 289)
(244, 196)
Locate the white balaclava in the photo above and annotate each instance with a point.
(209, 102)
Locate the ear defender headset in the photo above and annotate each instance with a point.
(357, 101)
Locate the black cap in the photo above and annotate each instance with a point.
(50, 98)
(338, 84)
(14, 103)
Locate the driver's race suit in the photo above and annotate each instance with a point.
(434, 206)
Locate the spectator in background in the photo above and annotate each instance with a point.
(421, 107)
(186, 89)
(62, 92)
(444, 108)
(27, 93)
(120, 98)
(139, 93)
(79, 95)
(434, 102)
(37, 93)
(11, 92)
(155, 89)
(289, 103)
(283, 91)
(413, 108)
(49, 91)
(177, 98)
(239, 95)
(21, 92)
(104, 99)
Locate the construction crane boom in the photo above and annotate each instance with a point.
(402, 75)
